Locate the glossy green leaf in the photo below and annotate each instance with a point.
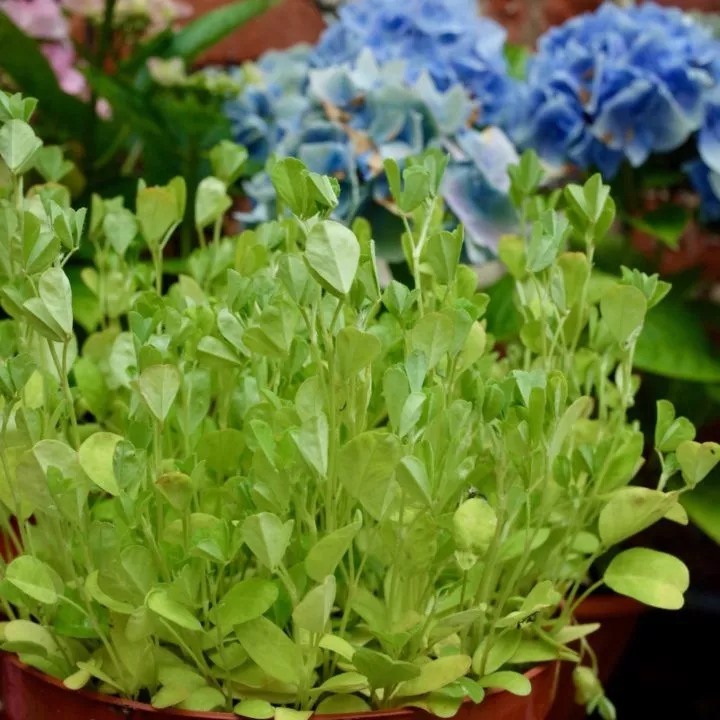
(654, 578)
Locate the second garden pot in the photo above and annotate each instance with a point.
(30, 695)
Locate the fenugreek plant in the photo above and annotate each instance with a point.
(276, 487)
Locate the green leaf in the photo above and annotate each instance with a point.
(56, 295)
(631, 510)
(227, 160)
(169, 696)
(623, 309)
(211, 201)
(547, 236)
(159, 385)
(93, 589)
(160, 602)
(96, 456)
(32, 577)
(120, 228)
(412, 478)
(416, 188)
(18, 145)
(215, 353)
(312, 613)
(325, 555)
(204, 699)
(268, 537)
(332, 253)
(697, 460)
(51, 164)
(367, 465)
(433, 335)
(435, 675)
(157, 211)
(443, 254)
(255, 708)
(312, 442)
(246, 600)
(512, 682)
(342, 704)
(347, 682)
(270, 648)
(669, 431)
(674, 344)
(381, 670)
(500, 652)
(355, 351)
(23, 633)
(654, 578)
(177, 488)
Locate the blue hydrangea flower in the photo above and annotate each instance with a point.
(618, 84)
(704, 173)
(445, 38)
(345, 120)
(273, 103)
(707, 185)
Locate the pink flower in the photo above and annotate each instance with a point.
(62, 60)
(42, 19)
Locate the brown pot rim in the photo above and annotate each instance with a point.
(133, 705)
(604, 606)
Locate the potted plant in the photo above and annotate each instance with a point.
(278, 489)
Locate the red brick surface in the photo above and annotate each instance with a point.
(291, 22)
(526, 19)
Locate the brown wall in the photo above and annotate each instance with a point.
(526, 19)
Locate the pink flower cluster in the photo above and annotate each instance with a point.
(44, 20)
(47, 21)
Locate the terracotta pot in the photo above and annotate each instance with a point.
(30, 695)
(291, 22)
(618, 616)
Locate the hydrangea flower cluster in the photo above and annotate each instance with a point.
(618, 84)
(445, 38)
(346, 120)
(705, 172)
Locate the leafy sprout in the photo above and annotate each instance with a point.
(279, 487)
